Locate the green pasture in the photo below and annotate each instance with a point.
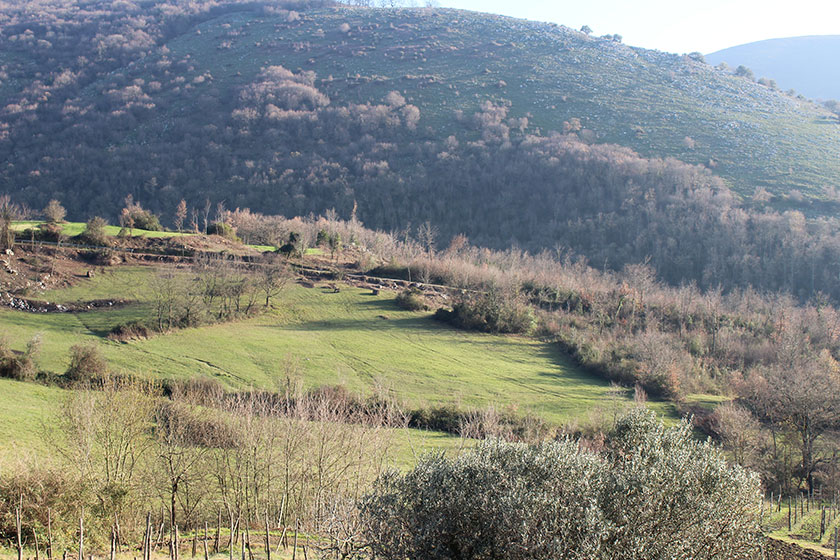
(352, 338)
(72, 229)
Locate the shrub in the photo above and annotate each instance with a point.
(222, 229)
(440, 419)
(20, 366)
(651, 493)
(148, 221)
(135, 216)
(129, 331)
(412, 299)
(48, 232)
(94, 233)
(86, 364)
(493, 312)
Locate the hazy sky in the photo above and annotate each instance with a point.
(677, 25)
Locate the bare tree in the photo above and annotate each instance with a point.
(9, 212)
(804, 401)
(206, 213)
(427, 236)
(272, 278)
(179, 454)
(54, 212)
(180, 214)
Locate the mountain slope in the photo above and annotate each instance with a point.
(806, 64)
(140, 100)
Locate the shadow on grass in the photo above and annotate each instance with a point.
(382, 322)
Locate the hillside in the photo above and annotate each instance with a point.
(354, 380)
(805, 64)
(293, 111)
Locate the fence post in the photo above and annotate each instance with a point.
(218, 532)
(267, 538)
(49, 534)
(82, 535)
(18, 523)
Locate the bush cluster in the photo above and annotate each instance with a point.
(94, 233)
(87, 364)
(223, 229)
(20, 366)
(412, 299)
(130, 331)
(651, 493)
(493, 312)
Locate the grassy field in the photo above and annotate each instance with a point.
(30, 413)
(350, 338)
(72, 229)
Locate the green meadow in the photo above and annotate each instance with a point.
(351, 338)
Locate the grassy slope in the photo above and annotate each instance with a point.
(30, 411)
(351, 338)
(71, 229)
(444, 60)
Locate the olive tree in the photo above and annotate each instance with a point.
(652, 492)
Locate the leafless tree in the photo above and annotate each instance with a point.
(180, 214)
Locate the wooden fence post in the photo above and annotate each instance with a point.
(49, 534)
(218, 532)
(147, 550)
(82, 535)
(18, 523)
(822, 523)
(267, 539)
(230, 548)
(294, 543)
(790, 527)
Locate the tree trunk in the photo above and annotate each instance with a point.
(206, 556)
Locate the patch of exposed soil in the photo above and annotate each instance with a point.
(779, 550)
(28, 270)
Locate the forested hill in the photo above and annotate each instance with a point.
(511, 132)
(806, 64)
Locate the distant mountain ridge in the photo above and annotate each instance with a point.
(807, 64)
